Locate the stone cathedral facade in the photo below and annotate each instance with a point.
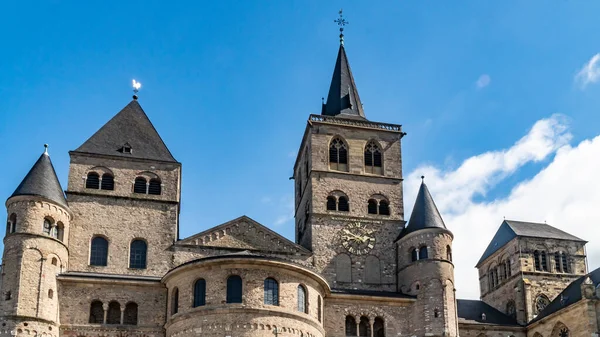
(104, 258)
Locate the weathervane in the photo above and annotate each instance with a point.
(136, 87)
(341, 22)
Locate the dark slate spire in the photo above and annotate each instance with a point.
(424, 214)
(128, 134)
(343, 96)
(42, 181)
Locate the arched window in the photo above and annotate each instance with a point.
(423, 253)
(350, 326)
(414, 255)
(557, 264)
(271, 288)
(372, 270)
(343, 268)
(11, 225)
(319, 308)
(99, 251)
(449, 253)
(114, 313)
(372, 206)
(338, 155)
(175, 301)
(564, 262)
(92, 181)
(54, 261)
(200, 293)
(234, 289)
(564, 332)
(384, 207)
(96, 313)
(536, 260)
(343, 205)
(331, 203)
(108, 182)
(137, 254)
(541, 302)
(139, 186)
(59, 231)
(511, 309)
(378, 327)
(364, 328)
(154, 187)
(130, 316)
(302, 305)
(47, 228)
(373, 158)
(543, 262)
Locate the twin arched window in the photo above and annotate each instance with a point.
(338, 204)
(97, 182)
(373, 158)
(143, 186)
(338, 155)
(137, 254)
(138, 250)
(381, 207)
(419, 254)
(200, 293)
(55, 230)
(561, 262)
(234, 289)
(363, 328)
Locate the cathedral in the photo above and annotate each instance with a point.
(104, 258)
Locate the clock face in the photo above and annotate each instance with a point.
(357, 238)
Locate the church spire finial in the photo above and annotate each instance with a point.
(46, 149)
(136, 87)
(341, 22)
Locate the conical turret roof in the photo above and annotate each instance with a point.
(42, 181)
(424, 214)
(128, 134)
(343, 98)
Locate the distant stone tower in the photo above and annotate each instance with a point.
(35, 251)
(425, 269)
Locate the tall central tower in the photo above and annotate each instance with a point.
(348, 191)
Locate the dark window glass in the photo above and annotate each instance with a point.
(108, 182)
(378, 328)
(384, 208)
(372, 158)
(137, 254)
(114, 313)
(234, 289)
(565, 264)
(154, 187)
(414, 255)
(99, 251)
(343, 155)
(59, 231)
(175, 301)
(449, 253)
(140, 185)
(331, 203)
(372, 206)
(544, 262)
(271, 292)
(96, 313)
(536, 260)
(92, 181)
(508, 271)
(364, 327)
(302, 307)
(333, 153)
(319, 308)
(343, 204)
(350, 326)
(12, 223)
(130, 316)
(200, 293)
(423, 253)
(338, 155)
(557, 261)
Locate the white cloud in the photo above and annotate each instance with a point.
(483, 81)
(565, 193)
(590, 72)
(286, 205)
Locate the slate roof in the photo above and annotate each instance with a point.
(343, 98)
(510, 229)
(42, 181)
(570, 295)
(469, 311)
(424, 214)
(130, 126)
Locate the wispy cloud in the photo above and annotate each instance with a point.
(483, 81)
(286, 206)
(589, 73)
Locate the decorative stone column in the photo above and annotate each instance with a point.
(122, 314)
(105, 308)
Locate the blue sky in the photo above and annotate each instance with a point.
(241, 77)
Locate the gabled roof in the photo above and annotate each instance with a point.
(510, 229)
(42, 181)
(424, 214)
(343, 98)
(570, 295)
(470, 311)
(130, 126)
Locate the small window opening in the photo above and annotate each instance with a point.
(7, 295)
(108, 182)
(47, 226)
(331, 203)
(54, 261)
(372, 206)
(139, 186)
(436, 312)
(50, 293)
(343, 205)
(92, 181)
(384, 208)
(154, 187)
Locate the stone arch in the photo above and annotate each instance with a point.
(372, 270)
(560, 330)
(343, 268)
(113, 316)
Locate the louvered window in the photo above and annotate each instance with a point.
(384, 208)
(154, 187)
(271, 292)
(544, 263)
(139, 185)
(108, 182)
(302, 307)
(200, 293)
(98, 251)
(343, 205)
(373, 158)
(565, 264)
(92, 181)
(338, 155)
(130, 316)
(234, 289)
(508, 271)
(557, 262)
(137, 254)
(372, 206)
(536, 260)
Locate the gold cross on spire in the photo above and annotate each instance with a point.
(341, 22)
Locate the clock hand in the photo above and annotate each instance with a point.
(352, 234)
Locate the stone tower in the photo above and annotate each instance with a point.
(348, 189)
(35, 251)
(526, 265)
(425, 269)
